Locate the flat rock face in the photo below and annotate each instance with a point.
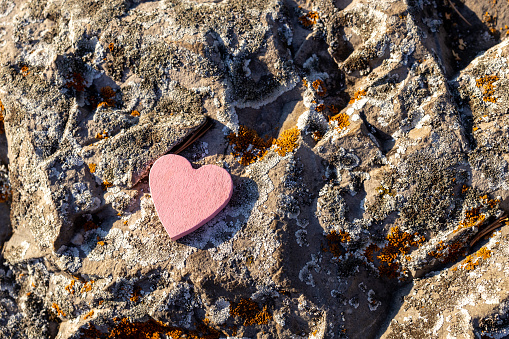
(367, 143)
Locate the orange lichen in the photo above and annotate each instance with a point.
(448, 252)
(2, 109)
(335, 241)
(88, 315)
(24, 71)
(102, 135)
(469, 264)
(382, 190)
(486, 85)
(100, 243)
(491, 22)
(370, 251)
(287, 142)
(333, 109)
(341, 121)
(135, 113)
(59, 311)
(309, 19)
(305, 83)
(70, 288)
(247, 145)
(89, 225)
(87, 287)
(472, 218)
(135, 296)
(473, 260)
(111, 46)
(357, 95)
(108, 95)
(319, 87)
(5, 193)
(316, 135)
(399, 243)
(483, 253)
(250, 312)
(92, 168)
(76, 81)
(150, 329)
(489, 203)
(320, 107)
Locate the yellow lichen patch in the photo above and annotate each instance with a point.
(247, 145)
(287, 142)
(70, 288)
(59, 311)
(2, 109)
(486, 85)
(100, 243)
(308, 20)
(319, 87)
(88, 315)
(341, 121)
(335, 240)
(135, 113)
(92, 168)
(357, 95)
(250, 312)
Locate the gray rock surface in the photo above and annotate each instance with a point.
(389, 154)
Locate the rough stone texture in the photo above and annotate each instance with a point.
(361, 231)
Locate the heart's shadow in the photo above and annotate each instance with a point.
(229, 221)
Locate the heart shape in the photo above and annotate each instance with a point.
(185, 198)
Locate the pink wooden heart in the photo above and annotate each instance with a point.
(186, 198)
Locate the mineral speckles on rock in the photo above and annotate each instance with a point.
(360, 165)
